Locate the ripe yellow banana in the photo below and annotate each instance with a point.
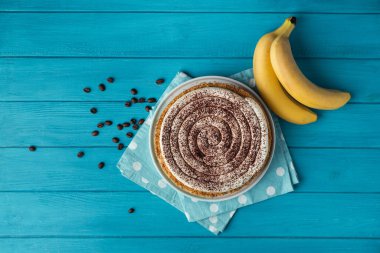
(269, 87)
(295, 83)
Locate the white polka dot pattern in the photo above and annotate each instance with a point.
(136, 166)
(132, 145)
(161, 183)
(212, 229)
(194, 199)
(280, 171)
(214, 208)
(213, 219)
(271, 190)
(144, 180)
(242, 199)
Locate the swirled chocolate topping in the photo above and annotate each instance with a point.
(214, 140)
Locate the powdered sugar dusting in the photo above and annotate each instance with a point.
(214, 140)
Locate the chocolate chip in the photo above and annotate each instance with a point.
(131, 210)
(95, 133)
(100, 125)
(160, 81)
(135, 126)
(101, 165)
(148, 108)
(87, 90)
(110, 79)
(108, 122)
(128, 104)
(134, 100)
(152, 100)
(120, 126)
(126, 124)
(120, 146)
(133, 121)
(141, 121)
(93, 110)
(141, 100)
(133, 91)
(129, 135)
(115, 140)
(32, 148)
(102, 87)
(80, 154)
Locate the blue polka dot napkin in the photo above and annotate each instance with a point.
(136, 164)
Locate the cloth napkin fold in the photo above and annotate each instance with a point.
(136, 164)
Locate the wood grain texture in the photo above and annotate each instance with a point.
(185, 35)
(59, 169)
(45, 124)
(187, 245)
(57, 79)
(106, 214)
(50, 50)
(336, 6)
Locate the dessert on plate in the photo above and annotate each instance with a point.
(213, 140)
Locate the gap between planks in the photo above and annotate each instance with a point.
(173, 237)
(197, 12)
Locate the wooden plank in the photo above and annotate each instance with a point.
(106, 214)
(57, 79)
(45, 124)
(348, 127)
(58, 169)
(185, 35)
(337, 170)
(182, 245)
(367, 6)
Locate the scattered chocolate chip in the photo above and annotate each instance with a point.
(129, 135)
(95, 133)
(32, 148)
(131, 210)
(160, 81)
(100, 125)
(108, 122)
(126, 124)
(102, 87)
(152, 100)
(134, 100)
(133, 121)
(141, 121)
(133, 91)
(101, 165)
(141, 100)
(115, 140)
(128, 104)
(120, 126)
(135, 126)
(120, 146)
(87, 90)
(80, 154)
(110, 79)
(148, 108)
(93, 110)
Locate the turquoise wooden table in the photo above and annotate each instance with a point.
(51, 201)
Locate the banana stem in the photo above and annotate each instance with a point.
(288, 24)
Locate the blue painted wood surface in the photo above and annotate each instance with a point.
(51, 201)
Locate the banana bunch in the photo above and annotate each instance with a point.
(282, 85)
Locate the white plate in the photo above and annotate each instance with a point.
(178, 90)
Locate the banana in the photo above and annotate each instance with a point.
(269, 87)
(295, 83)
